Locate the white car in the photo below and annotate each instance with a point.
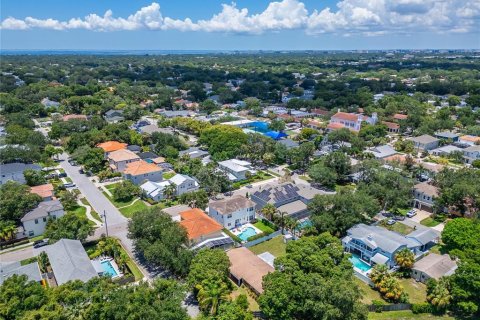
(411, 213)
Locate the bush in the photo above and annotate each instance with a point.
(269, 224)
(231, 235)
(378, 305)
(257, 236)
(422, 308)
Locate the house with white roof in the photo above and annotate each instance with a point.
(35, 221)
(381, 152)
(425, 142)
(445, 150)
(235, 169)
(433, 266)
(471, 153)
(183, 184)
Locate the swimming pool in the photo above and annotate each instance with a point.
(359, 264)
(247, 233)
(304, 224)
(259, 126)
(108, 268)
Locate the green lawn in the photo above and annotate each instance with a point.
(275, 246)
(417, 291)
(68, 179)
(260, 225)
(131, 210)
(430, 222)
(135, 271)
(260, 176)
(111, 187)
(80, 212)
(405, 315)
(306, 178)
(368, 293)
(119, 203)
(92, 212)
(397, 227)
(168, 175)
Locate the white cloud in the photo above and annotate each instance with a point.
(368, 17)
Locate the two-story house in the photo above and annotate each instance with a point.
(35, 221)
(140, 171)
(233, 211)
(377, 245)
(235, 169)
(118, 160)
(114, 116)
(469, 140)
(111, 146)
(424, 196)
(182, 183)
(350, 121)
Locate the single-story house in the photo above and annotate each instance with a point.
(399, 116)
(35, 221)
(47, 103)
(424, 196)
(113, 116)
(233, 211)
(248, 269)
(69, 261)
(179, 113)
(382, 152)
(118, 160)
(235, 169)
(289, 143)
(445, 150)
(45, 191)
(69, 117)
(425, 142)
(200, 226)
(433, 266)
(447, 135)
(31, 270)
(469, 140)
(139, 171)
(194, 153)
(14, 171)
(471, 154)
(392, 127)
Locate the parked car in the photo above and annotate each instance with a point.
(69, 185)
(62, 175)
(391, 222)
(399, 218)
(387, 214)
(40, 243)
(412, 213)
(81, 171)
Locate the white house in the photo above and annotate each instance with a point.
(235, 169)
(183, 183)
(351, 121)
(119, 159)
(35, 221)
(232, 212)
(471, 154)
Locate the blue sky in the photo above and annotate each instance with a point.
(243, 25)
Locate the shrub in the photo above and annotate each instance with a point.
(231, 235)
(378, 305)
(257, 236)
(422, 308)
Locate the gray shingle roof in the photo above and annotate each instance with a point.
(436, 266)
(17, 167)
(424, 235)
(69, 261)
(42, 210)
(31, 270)
(377, 237)
(229, 205)
(423, 139)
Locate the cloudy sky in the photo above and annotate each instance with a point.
(244, 24)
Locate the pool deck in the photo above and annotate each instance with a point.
(239, 230)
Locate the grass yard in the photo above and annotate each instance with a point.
(417, 291)
(168, 175)
(260, 176)
(252, 304)
(306, 178)
(397, 227)
(368, 294)
(134, 269)
(81, 213)
(262, 226)
(92, 212)
(68, 179)
(275, 246)
(119, 203)
(131, 210)
(112, 186)
(405, 315)
(430, 222)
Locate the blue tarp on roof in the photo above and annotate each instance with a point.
(275, 135)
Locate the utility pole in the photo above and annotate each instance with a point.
(105, 220)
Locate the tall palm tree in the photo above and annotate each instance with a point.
(7, 232)
(170, 191)
(43, 261)
(440, 295)
(210, 294)
(405, 258)
(269, 211)
(379, 274)
(122, 260)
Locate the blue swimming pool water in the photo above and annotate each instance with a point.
(259, 126)
(358, 263)
(305, 223)
(247, 233)
(108, 268)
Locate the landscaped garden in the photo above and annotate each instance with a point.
(259, 176)
(397, 227)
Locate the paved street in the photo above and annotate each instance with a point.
(117, 223)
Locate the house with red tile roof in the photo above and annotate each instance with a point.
(119, 159)
(110, 146)
(352, 121)
(74, 116)
(139, 171)
(45, 191)
(399, 116)
(200, 226)
(392, 126)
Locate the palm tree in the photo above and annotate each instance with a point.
(122, 260)
(170, 191)
(7, 232)
(405, 258)
(379, 274)
(210, 294)
(439, 296)
(43, 261)
(269, 211)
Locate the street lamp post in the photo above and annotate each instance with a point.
(105, 220)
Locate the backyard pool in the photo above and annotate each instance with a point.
(359, 264)
(108, 268)
(262, 127)
(247, 233)
(304, 224)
